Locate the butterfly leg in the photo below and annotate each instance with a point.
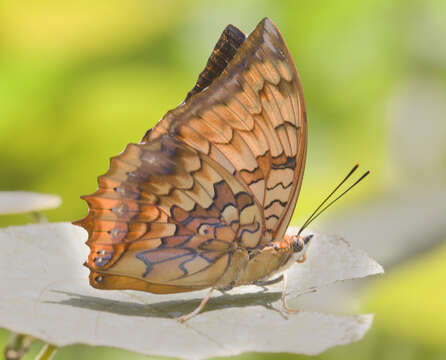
(264, 284)
(303, 258)
(284, 304)
(268, 282)
(197, 310)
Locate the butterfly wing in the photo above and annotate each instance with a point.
(224, 51)
(220, 172)
(251, 119)
(167, 218)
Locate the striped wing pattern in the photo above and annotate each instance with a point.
(220, 172)
(252, 121)
(163, 202)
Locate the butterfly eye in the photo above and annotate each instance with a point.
(298, 244)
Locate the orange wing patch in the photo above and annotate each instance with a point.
(217, 177)
(252, 120)
(173, 217)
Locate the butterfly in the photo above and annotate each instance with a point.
(205, 198)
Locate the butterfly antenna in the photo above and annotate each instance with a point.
(330, 195)
(316, 214)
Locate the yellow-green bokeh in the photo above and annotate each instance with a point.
(79, 80)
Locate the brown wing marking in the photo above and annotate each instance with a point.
(223, 168)
(171, 217)
(118, 282)
(251, 119)
(225, 49)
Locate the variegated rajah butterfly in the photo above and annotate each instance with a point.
(204, 200)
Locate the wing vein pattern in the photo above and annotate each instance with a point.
(221, 171)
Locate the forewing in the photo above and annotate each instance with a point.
(224, 51)
(251, 120)
(166, 218)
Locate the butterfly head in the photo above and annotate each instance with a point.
(300, 243)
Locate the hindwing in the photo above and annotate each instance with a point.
(168, 215)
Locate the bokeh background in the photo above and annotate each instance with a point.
(81, 79)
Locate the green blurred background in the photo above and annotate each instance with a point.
(79, 80)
